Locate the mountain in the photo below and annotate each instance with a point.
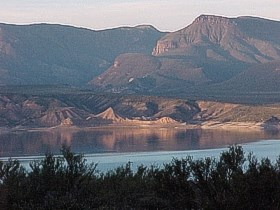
(243, 39)
(59, 54)
(213, 58)
(209, 51)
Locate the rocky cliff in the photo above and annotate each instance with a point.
(221, 39)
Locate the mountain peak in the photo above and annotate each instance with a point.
(147, 27)
(209, 37)
(212, 19)
(109, 114)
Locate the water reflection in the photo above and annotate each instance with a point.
(28, 143)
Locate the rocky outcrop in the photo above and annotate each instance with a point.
(164, 46)
(165, 120)
(110, 115)
(61, 116)
(67, 122)
(272, 123)
(214, 110)
(213, 19)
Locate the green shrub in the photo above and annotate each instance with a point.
(231, 181)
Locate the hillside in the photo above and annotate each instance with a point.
(88, 109)
(70, 107)
(58, 54)
(259, 78)
(145, 73)
(209, 51)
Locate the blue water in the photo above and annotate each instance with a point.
(109, 161)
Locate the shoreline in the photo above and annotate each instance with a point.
(250, 126)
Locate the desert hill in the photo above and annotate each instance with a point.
(109, 114)
(89, 110)
(82, 109)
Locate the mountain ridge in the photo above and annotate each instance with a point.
(211, 50)
(61, 54)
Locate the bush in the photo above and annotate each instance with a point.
(232, 181)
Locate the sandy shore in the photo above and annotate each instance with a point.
(149, 125)
(232, 125)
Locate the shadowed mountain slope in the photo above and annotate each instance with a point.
(57, 54)
(259, 78)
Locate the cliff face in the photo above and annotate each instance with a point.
(204, 30)
(164, 46)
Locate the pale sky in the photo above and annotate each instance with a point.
(165, 15)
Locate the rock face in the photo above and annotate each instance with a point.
(223, 39)
(272, 123)
(166, 120)
(164, 46)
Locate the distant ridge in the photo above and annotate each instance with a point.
(41, 54)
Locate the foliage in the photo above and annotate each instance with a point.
(232, 181)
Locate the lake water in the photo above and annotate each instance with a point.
(112, 147)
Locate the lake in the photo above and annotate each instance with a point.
(111, 147)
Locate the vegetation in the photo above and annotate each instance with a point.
(233, 181)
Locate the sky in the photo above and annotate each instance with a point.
(165, 15)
